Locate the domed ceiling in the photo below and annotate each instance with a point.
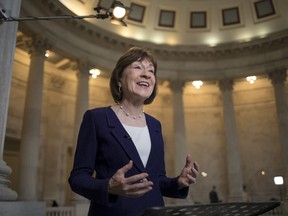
(193, 22)
(195, 38)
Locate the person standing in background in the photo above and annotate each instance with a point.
(213, 195)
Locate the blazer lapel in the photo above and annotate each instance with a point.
(155, 142)
(123, 138)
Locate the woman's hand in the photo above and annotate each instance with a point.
(189, 173)
(133, 186)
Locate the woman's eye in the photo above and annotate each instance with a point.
(137, 67)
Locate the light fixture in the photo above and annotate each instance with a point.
(119, 11)
(116, 10)
(251, 79)
(204, 174)
(47, 53)
(94, 72)
(104, 10)
(118, 14)
(197, 84)
(278, 180)
(263, 172)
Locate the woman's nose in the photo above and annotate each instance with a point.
(146, 73)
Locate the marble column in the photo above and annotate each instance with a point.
(31, 139)
(7, 47)
(82, 104)
(278, 78)
(235, 182)
(179, 125)
(82, 94)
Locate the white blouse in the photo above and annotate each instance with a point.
(141, 139)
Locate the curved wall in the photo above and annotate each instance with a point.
(255, 116)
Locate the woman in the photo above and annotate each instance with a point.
(124, 146)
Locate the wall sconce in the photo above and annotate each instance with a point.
(94, 72)
(105, 9)
(251, 79)
(197, 84)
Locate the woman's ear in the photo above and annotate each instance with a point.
(119, 87)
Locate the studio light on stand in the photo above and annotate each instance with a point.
(104, 10)
(116, 10)
(279, 181)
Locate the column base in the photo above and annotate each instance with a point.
(6, 194)
(22, 208)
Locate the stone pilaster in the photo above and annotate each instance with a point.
(82, 95)
(30, 140)
(82, 104)
(278, 78)
(180, 143)
(7, 47)
(235, 182)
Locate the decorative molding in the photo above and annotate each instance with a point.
(38, 45)
(103, 38)
(57, 82)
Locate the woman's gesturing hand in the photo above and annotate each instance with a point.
(133, 186)
(189, 173)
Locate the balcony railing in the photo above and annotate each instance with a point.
(70, 211)
(60, 211)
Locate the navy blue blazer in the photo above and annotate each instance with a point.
(103, 147)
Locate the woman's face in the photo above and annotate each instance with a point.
(138, 80)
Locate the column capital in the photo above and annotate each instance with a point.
(226, 84)
(278, 76)
(38, 45)
(177, 85)
(82, 67)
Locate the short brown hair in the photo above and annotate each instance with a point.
(130, 56)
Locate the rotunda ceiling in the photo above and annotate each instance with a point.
(193, 39)
(192, 22)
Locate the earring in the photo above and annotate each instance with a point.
(119, 89)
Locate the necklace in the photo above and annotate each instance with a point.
(128, 114)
